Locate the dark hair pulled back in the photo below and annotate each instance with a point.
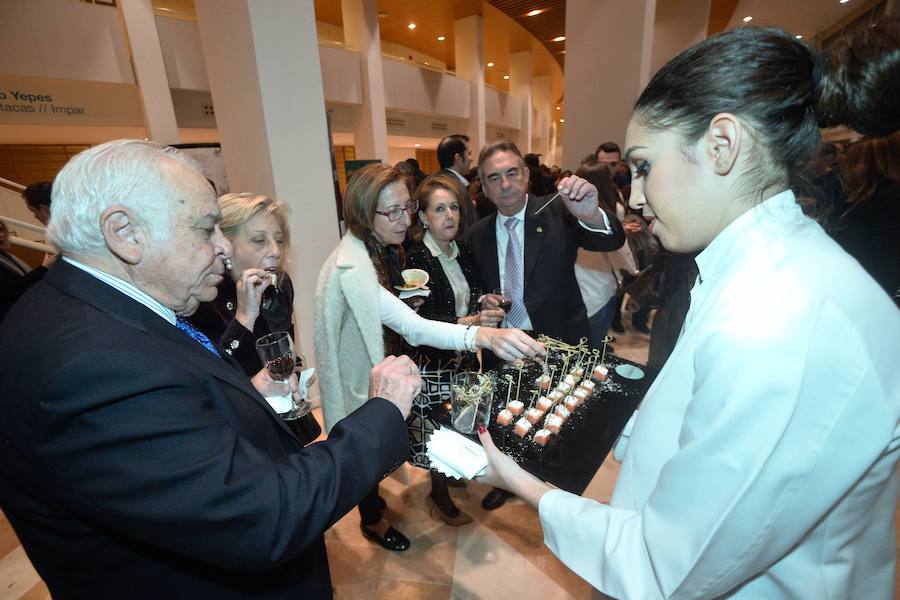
(766, 77)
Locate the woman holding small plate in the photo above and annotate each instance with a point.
(449, 264)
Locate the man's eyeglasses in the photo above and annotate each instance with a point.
(512, 174)
(395, 213)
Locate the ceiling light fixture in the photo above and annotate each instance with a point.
(534, 13)
(558, 108)
(164, 9)
(747, 19)
(798, 37)
(411, 26)
(441, 38)
(416, 145)
(844, 1)
(559, 38)
(490, 64)
(382, 15)
(562, 120)
(506, 77)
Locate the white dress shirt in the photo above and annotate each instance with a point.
(763, 462)
(126, 288)
(453, 271)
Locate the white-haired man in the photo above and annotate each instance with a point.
(136, 462)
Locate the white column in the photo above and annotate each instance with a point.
(676, 28)
(149, 70)
(520, 68)
(469, 53)
(600, 94)
(540, 98)
(361, 30)
(262, 58)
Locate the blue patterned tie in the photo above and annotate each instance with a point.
(196, 335)
(513, 269)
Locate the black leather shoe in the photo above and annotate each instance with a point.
(392, 540)
(495, 499)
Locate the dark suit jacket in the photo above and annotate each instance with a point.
(551, 244)
(13, 285)
(136, 464)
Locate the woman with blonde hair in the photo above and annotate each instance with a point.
(256, 297)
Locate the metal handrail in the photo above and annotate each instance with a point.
(23, 224)
(11, 185)
(17, 241)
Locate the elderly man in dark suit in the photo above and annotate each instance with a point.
(532, 256)
(136, 462)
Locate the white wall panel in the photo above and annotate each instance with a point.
(422, 90)
(182, 53)
(501, 109)
(341, 79)
(63, 40)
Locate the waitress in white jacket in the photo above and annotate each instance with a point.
(763, 462)
(358, 320)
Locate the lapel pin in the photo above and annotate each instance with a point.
(540, 230)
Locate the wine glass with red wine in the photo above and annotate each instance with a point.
(276, 351)
(505, 300)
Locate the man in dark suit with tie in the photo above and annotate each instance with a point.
(532, 256)
(136, 462)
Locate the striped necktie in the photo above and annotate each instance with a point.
(196, 335)
(513, 269)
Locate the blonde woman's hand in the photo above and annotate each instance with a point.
(250, 288)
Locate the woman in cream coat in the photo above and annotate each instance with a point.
(356, 316)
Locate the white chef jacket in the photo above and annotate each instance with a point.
(763, 461)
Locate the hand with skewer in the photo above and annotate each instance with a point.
(581, 199)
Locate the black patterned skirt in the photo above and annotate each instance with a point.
(431, 408)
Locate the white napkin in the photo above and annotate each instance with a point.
(285, 403)
(305, 376)
(280, 404)
(456, 456)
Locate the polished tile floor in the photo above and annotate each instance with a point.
(500, 555)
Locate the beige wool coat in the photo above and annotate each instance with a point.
(348, 336)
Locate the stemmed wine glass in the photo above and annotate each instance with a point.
(276, 351)
(505, 301)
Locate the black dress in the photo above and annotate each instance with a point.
(431, 406)
(869, 231)
(216, 320)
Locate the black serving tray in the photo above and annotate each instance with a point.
(571, 459)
